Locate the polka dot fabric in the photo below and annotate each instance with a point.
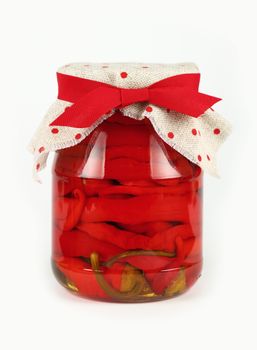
(198, 139)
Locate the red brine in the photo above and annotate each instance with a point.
(127, 215)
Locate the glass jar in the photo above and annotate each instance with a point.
(127, 215)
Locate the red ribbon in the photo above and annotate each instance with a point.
(92, 99)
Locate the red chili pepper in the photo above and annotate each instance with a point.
(148, 228)
(137, 210)
(193, 252)
(77, 243)
(63, 186)
(160, 278)
(128, 240)
(126, 169)
(56, 247)
(180, 189)
(136, 153)
(67, 211)
(70, 166)
(140, 183)
(184, 167)
(93, 188)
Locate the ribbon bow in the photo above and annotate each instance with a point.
(92, 99)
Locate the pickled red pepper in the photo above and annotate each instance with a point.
(127, 226)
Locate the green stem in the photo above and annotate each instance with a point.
(138, 252)
(109, 290)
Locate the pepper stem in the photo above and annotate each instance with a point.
(109, 290)
(138, 252)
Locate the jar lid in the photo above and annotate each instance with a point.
(166, 94)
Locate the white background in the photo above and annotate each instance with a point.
(39, 36)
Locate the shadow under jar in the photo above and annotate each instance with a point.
(127, 215)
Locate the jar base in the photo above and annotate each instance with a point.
(132, 286)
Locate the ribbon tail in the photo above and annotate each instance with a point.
(204, 102)
(88, 109)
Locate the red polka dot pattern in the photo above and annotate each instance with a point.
(208, 133)
(124, 75)
(41, 149)
(170, 135)
(216, 131)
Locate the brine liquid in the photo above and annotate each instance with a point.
(129, 237)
